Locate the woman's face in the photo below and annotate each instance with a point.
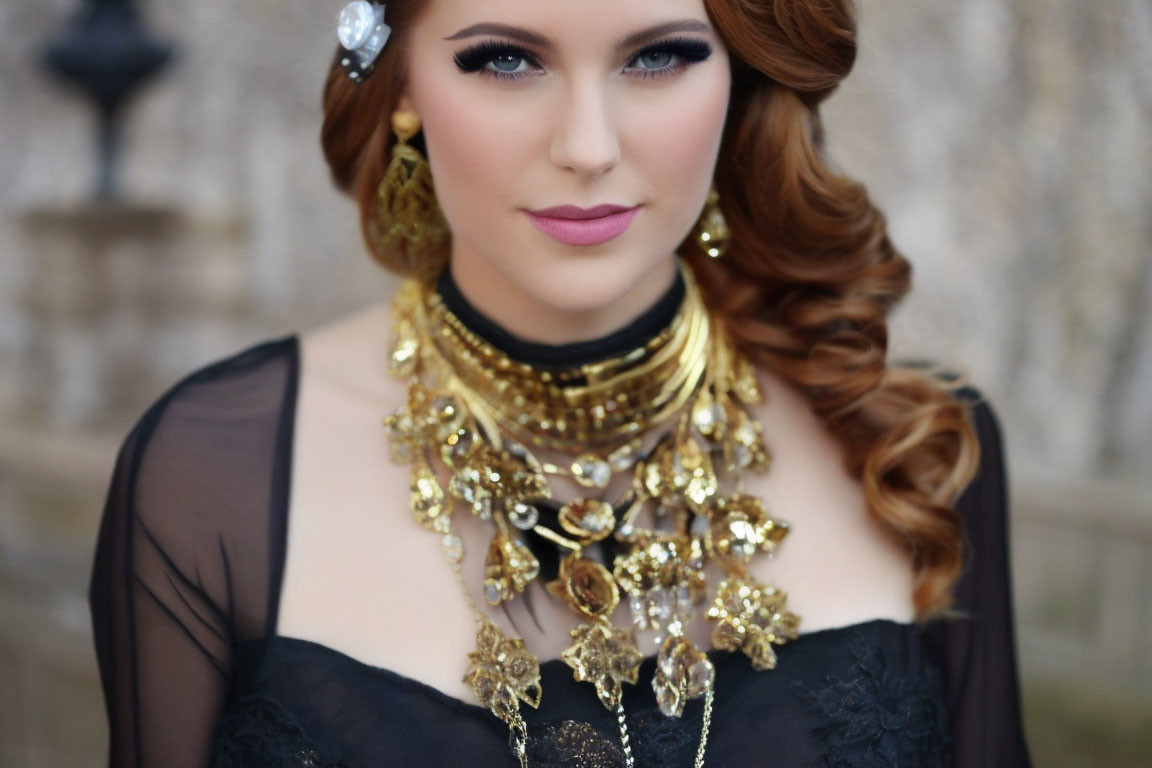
(527, 105)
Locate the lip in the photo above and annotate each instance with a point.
(572, 225)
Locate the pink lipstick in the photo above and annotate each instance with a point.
(572, 225)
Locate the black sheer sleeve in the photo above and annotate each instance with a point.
(186, 561)
(978, 652)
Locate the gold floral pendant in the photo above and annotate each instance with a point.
(605, 656)
(750, 617)
(502, 672)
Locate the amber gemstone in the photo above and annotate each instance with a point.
(589, 586)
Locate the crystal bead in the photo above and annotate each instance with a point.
(492, 592)
(701, 676)
(699, 525)
(661, 608)
(743, 456)
(623, 457)
(668, 698)
(591, 471)
(524, 516)
(482, 507)
(639, 615)
(708, 417)
(453, 547)
(741, 539)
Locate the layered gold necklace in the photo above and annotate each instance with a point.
(480, 414)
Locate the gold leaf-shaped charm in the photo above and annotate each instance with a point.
(683, 672)
(586, 586)
(403, 357)
(751, 617)
(406, 426)
(427, 499)
(508, 569)
(605, 656)
(588, 519)
(744, 381)
(692, 474)
(691, 457)
(502, 672)
(447, 416)
(745, 449)
(708, 417)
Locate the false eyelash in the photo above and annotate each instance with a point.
(476, 58)
(688, 48)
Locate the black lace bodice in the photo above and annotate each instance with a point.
(186, 583)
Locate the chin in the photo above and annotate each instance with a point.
(588, 283)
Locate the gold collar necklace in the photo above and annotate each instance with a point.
(474, 411)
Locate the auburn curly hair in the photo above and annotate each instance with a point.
(810, 274)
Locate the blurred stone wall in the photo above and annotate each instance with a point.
(1007, 141)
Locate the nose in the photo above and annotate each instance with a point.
(585, 140)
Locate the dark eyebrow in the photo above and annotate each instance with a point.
(633, 40)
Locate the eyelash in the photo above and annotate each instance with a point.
(477, 58)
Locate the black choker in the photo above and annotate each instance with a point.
(635, 334)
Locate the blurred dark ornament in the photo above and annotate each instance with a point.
(108, 55)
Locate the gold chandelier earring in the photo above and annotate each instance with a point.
(712, 232)
(411, 223)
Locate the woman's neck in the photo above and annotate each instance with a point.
(646, 317)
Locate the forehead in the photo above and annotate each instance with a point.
(562, 22)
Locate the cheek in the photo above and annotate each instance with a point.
(677, 138)
(476, 152)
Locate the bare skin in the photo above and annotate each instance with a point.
(361, 577)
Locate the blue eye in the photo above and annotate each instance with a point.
(656, 57)
(505, 58)
(506, 61)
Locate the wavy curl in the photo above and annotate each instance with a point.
(810, 275)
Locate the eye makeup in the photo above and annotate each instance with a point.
(477, 58)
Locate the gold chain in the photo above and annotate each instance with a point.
(707, 726)
(625, 741)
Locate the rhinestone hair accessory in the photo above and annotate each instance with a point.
(363, 33)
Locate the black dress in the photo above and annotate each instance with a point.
(185, 590)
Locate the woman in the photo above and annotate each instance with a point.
(646, 491)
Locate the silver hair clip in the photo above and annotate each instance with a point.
(363, 33)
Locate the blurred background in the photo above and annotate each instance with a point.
(175, 209)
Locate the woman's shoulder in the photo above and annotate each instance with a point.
(235, 388)
(215, 427)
